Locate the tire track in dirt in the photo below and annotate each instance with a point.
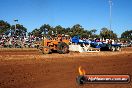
(60, 71)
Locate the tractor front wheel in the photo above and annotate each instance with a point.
(46, 50)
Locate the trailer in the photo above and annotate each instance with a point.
(81, 45)
(85, 45)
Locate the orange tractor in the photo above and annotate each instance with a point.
(59, 44)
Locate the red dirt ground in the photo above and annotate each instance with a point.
(31, 69)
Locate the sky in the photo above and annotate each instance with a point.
(91, 14)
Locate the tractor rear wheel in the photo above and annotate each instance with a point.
(46, 50)
(62, 48)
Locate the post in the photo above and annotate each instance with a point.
(15, 24)
(110, 19)
(110, 2)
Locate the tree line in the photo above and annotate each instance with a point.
(17, 30)
(76, 29)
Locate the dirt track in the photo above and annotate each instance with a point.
(31, 69)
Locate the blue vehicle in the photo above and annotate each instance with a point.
(102, 46)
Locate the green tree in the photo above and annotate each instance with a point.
(4, 26)
(46, 28)
(93, 35)
(127, 35)
(86, 34)
(29, 33)
(107, 34)
(19, 29)
(77, 30)
(36, 32)
(93, 31)
(59, 29)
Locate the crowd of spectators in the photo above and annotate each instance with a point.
(18, 41)
(25, 41)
